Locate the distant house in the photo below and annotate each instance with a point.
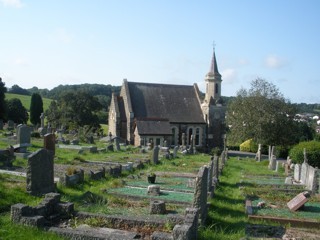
(145, 112)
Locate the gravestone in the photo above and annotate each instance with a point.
(183, 140)
(200, 193)
(175, 151)
(1, 124)
(153, 190)
(216, 167)
(273, 162)
(116, 140)
(304, 173)
(42, 120)
(40, 179)
(297, 172)
(305, 159)
(258, 155)
(10, 125)
(157, 207)
(311, 183)
(49, 142)
(155, 155)
(23, 134)
(298, 201)
(192, 147)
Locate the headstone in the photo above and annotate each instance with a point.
(216, 167)
(10, 125)
(311, 183)
(183, 139)
(273, 162)
(298, 201)
(154, 190)
(40, 179)
(42, 120)
(23, 134)
(297, 172)
(258, 155)
(192, 147)
(157, 207)
(49, 142)
(116, 140)
(155, 155)
(200, 193)
(288, 180)
(175, 151)
(304, 173)
(1, 124)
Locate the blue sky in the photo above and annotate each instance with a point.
(51, 42)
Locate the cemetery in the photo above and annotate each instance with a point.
(106, 194)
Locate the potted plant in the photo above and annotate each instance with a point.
(151, 177)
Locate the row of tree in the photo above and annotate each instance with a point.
(13, 109)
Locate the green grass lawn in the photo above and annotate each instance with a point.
(26, 100)
(226, 215)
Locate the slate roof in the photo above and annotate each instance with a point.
(150, 127)
(177, 103)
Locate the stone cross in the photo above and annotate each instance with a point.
(183, 139)
(42, 120)
(305, 159)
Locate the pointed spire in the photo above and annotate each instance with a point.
(214, 65)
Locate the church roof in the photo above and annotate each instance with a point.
(177, 103)
(214, 66)
(153, 127)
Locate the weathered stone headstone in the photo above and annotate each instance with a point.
(49, 142)
(200, 193)
(216, 167)
(183, 140)
(305, 159)
(273, 162)
(304, 173)
(10, 125)
(42, 120)
(298, 201)
(153, 190)
(155, 155)
(297, 172)
(23, 134)
(175, 151)
(157, 207)
(192, 146)
(258, 155)
(40, 179)
(311, 183)
(116, 140)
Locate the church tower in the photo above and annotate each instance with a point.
(213, 82)
(213, 108)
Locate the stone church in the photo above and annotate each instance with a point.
(145, 112)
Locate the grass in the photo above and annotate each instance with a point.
(26, 100)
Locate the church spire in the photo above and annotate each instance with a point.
(214, 66)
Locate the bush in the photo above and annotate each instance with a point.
(249, 146)
(313, 153)
(35, 134)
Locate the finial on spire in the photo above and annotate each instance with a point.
(213, 45)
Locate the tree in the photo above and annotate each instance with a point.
(36, 108)
(75, 109)
(16, 111)
(18, 90)
(263, 114)
(3, 90)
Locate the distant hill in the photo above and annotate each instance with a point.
(26, 100)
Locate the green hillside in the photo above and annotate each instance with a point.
(26, 100)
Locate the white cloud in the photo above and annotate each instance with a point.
(12, 3)
(229, 75)
(243, 62)
(273, 61)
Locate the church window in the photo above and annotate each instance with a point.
(189, 135)
(197, 140)
(174, 136)
(216, 88)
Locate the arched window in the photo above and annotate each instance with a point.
(216, 88)
(197, 140)
(190, 132)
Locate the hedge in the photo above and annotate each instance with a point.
(249, 146)
(313, 153)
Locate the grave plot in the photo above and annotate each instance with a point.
(171, 189)
(268, 198)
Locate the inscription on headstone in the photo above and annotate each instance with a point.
(297, 202)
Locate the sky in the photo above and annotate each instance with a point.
(52, 42)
